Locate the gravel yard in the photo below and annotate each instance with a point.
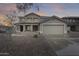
(31, 46)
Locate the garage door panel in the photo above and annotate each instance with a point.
(53, 29)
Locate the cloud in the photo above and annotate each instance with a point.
(7, 8)
(60, 9)
(41, 13)
(57, 7)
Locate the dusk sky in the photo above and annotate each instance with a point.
(58, 9)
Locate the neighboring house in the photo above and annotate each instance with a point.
(72, 23)
(43, 24)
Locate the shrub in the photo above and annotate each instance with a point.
(35, 36)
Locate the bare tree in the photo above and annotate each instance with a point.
(26, 6)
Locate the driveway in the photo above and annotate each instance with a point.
(72, 50)
(65, 45)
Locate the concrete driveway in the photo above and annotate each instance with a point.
(72, 50)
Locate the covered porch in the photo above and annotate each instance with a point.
(27, 27)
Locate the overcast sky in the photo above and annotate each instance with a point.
(59, 9)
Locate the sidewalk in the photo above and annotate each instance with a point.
(72, 50)
(66, 36)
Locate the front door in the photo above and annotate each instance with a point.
(35, 27)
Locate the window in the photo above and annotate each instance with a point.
(27, 27)
(29, 18)
(23, 20)
(73, 20)
(35, 19)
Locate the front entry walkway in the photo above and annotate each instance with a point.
(27, 33)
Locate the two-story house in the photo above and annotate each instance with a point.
(43, 24)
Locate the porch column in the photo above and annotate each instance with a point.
(15, 29)
(18, 28)
(65, 28)
(24, 28)
(31, 28)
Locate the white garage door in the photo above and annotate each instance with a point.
(53, 29)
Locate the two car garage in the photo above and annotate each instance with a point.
(53, 29)
(54, 26)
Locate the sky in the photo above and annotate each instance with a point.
(46, 9)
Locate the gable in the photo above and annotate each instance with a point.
(32, 15)
(53, 20)
(30, 18)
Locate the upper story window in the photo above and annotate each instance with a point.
(35, 19)
(73, 20)
(29, 18)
